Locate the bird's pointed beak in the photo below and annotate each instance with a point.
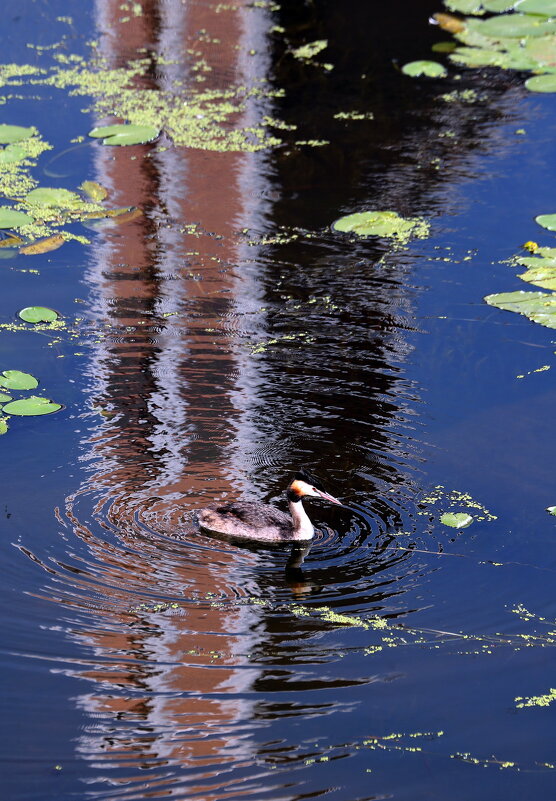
(326, 497)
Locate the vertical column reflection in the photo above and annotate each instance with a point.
(173, 386)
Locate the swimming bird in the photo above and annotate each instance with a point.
(251, 521)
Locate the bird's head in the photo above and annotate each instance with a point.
(304, 484)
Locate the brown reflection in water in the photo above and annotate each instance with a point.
(167, 377)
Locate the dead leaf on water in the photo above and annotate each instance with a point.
(43, 245)
(449, 23)
(94, 190)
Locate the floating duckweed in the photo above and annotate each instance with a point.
(354, 115)
(536, 700)
(456, 498)
(310, 50)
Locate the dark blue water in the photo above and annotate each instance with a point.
(140, 660)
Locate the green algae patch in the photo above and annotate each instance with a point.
(127, 134)
(536, 700)
(452, 500)
(537, 306)
(456, 519)
(432, 69)
(208, 120)
(310, 50)
(31, 407)
(387, 224)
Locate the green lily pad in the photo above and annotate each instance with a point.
(125, 134)
(31, 407)
(9, 218)
(4, 397)
(551, 510)
(12, 154)
(513, 26)
(542, 83)
(498, 5)
(537, 306)
(15, 379)
(443, 47)
(3, 425)
(38, 314)
(14, 133)
(465, 6)
(50, 197)
(547, 220)
(431, 69)
(543, 50)
(456, 519)
(381, 223)
(543, 276)
(545, 7)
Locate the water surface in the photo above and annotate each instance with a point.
(141, 659)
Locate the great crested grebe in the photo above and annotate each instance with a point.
(258, 522)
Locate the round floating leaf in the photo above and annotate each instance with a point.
(498, 5)
(4, 397)
(432, 69)
(31, 407)
(551, 510)
(125, 134)
(547, 220)
(381, 223)
(464, 6)
(14, 133)
(545, 7)
(15, 379)
(12, 154)
(539, 275)
(50, 197)
(513, 26)
(3, 425)
(13, 219)
(444, 47)
(542, 83)
(537, 306)
(456, 519)
(543, 50)
(38, 314)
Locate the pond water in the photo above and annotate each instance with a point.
(224, 338)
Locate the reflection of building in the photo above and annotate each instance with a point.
(175, 390)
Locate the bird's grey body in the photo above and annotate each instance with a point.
(258, 522)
